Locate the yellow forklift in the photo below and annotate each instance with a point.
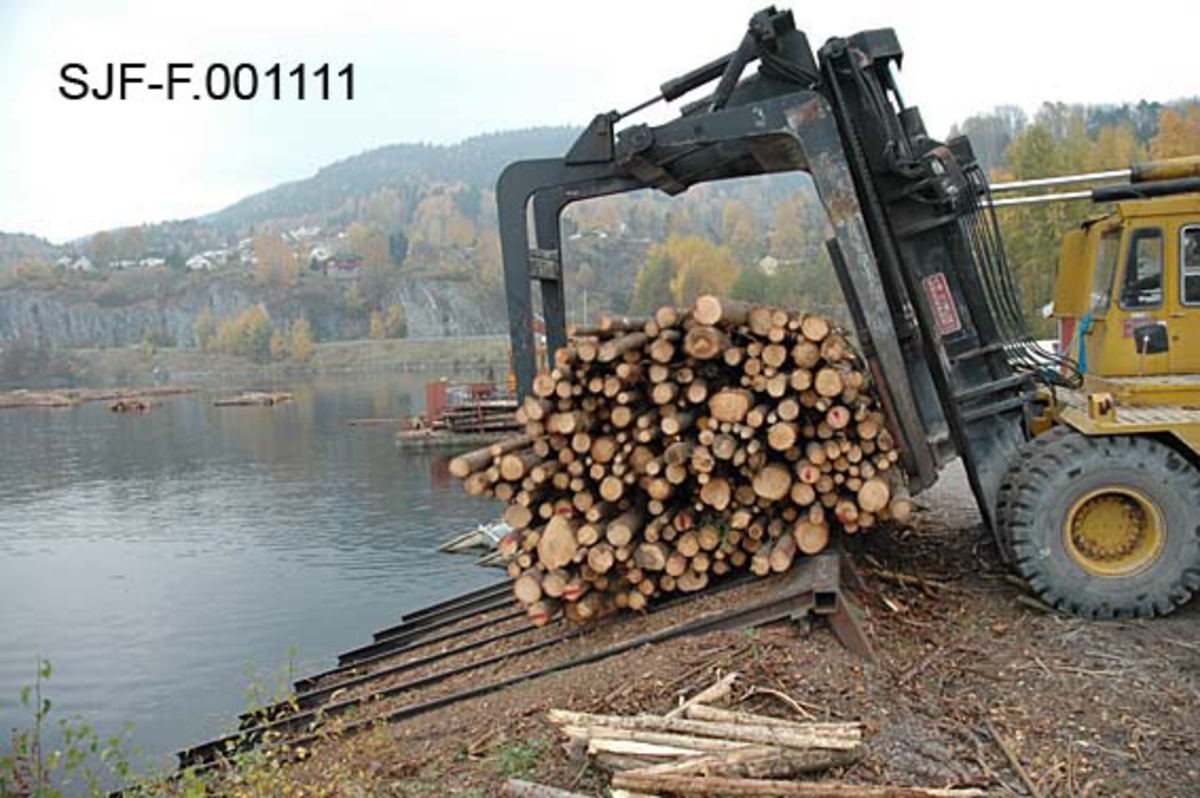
(1113, 466)
(1083, 461)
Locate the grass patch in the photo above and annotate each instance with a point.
(519, 760)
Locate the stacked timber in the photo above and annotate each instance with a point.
(491, 415)
(662, 452)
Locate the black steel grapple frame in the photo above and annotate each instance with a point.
(903, 210)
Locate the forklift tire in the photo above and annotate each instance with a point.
(1012, 478)
(1104, 527)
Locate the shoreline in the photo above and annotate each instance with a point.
(135, 367)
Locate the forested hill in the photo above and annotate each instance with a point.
(408, 233)
(331, 195)
(1138, 123)
(16, 247)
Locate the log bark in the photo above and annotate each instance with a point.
(717, 691)
(699, 785)
(837, 736)
(617, 347)
(756, 762)
(622, 529)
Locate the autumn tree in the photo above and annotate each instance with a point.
(653, 288)
(604, 214)
(369, 244)
(102, 248)
(205, 328)
(1116, 146)
(131, 244)
(489, 273)
(702, 267)
(439, 222)
(374, 282)
(1178, 133)
(356, 303)
(248, 334)
(277, 267)
(393, 321)
(279, 345)
(753, 285)
(378, 331)
(798, 226)
(300, 341)
(740, 231)
(490, 262)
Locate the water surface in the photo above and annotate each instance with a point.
(157, 559)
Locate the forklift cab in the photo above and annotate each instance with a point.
(1127, 297)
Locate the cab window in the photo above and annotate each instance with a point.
(1107, 255)
(1143, 283)
(1189, 264)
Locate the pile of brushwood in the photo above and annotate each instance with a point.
(660, 453)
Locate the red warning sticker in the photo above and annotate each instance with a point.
(941, 301)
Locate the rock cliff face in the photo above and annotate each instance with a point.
(432, 309)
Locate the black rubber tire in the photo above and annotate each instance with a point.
(1050, 477)
(1008, 485)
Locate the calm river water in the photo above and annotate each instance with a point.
(157, 559)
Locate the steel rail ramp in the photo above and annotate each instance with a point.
(815, 589)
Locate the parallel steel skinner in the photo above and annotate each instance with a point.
(813, 587)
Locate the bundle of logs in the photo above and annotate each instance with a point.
(701, 748)
(492, 415)
(662, 452)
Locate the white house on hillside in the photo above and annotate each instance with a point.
(75, 264)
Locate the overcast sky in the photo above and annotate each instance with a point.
(441, 71)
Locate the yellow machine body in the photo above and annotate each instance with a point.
(1136, 267)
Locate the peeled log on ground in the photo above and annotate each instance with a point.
(651, 783)
(758, 762)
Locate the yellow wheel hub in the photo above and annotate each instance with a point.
(1114, 531)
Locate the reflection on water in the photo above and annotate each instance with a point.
(155, 558)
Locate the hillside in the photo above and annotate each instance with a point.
(333, 194)
(407, 233)
(18, 247)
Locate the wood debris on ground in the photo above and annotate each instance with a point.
(704, 749)
(662, 452)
